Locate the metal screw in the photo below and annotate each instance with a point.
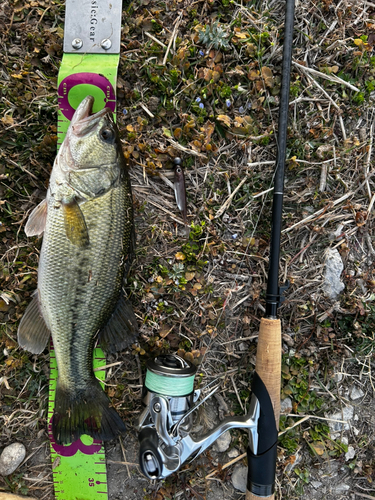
(77, 43)
(157, 407)
(106, 44)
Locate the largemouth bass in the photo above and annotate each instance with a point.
(87, 221)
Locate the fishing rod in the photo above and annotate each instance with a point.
(168, 396)
(267, 378)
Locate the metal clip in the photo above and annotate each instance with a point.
(92, 26)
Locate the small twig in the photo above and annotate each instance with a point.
(122, 463)
(240, 302)
(124, 455)
(331, 78)
(147, 110)
(155, 39)
(326, 419)
(236, 391)
(371, 204)
(370, 377)
(263, 192)
(295, 425)
(358, 493)
(107, 366)
(228, 464)
(186, 150)
(367, 166)
(323, 91)
(228, 201)
(342, 127)
(258, 163)
(171, 39)
(167, 212)
(166, 180)
(323, 178)
(319, 212)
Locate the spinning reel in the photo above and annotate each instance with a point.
(165, 425)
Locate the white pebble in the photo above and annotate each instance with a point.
(350, 453)
(239, 478)
(223, 442)
(11, 458)
(356, 393)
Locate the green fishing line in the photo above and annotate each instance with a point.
(169, 386)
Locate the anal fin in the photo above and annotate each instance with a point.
(121, 329)
(36, 222)
(33, 334)
(75, 224)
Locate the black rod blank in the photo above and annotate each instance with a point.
(273, 293)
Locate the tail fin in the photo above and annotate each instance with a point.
(84, 412)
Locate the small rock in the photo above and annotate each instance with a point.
(286, 406)
(233, 453)
(334, 266)
(11, 458)
(356, 393)
(153, 103)
(316, 484)
(336, 427)
(341, 488)
(338, 377)
(350, 453)
(223, 442)
(239, 478)
(288, 340)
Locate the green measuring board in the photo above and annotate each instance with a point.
(81, 75)
(93, 28)
(79, 469)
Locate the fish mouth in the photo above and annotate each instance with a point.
(83, 120)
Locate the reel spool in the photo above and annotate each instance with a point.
(172, 377)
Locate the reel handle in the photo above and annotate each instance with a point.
(150, 461)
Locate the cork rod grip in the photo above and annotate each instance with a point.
(268, 367)
(268, 361)
(250, 496)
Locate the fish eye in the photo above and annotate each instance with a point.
(107, 135)
(178, 170)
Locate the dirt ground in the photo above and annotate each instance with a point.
(212, 99)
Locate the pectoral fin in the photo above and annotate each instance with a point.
(75, 224)
(33, 334)
(121, 329)
(37, 220)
